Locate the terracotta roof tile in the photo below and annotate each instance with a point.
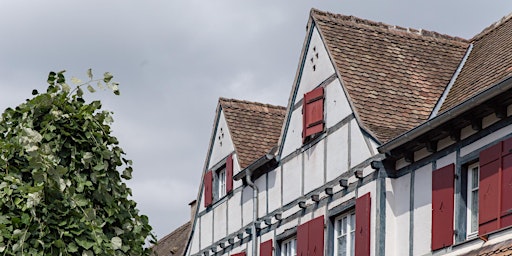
(254, 127)
(501, 249)
(393, 75)
(489, 62)
(173, 243)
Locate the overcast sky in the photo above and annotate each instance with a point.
(174, 59)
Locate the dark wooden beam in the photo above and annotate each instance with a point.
(409, 157)
(431, 146)
(476, 124)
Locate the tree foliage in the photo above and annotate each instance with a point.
(61, 192)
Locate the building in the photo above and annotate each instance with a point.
(395, 141)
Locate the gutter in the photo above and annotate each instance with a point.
(254, 209)
(435, 122)
(255, 165)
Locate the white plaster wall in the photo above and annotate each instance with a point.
(293, 138)
(206, 230)
(489, 120)
(223, 146)
(371, 188)
(235, 212)
(274, 189)
(466, 132)
(247, 205)
(337, 153)
(398, 197)
(443, 143)
(358, 146)
(314, 167)
(491, 138)
(341, 200)
(323, 66)
(261, 183)
(236, 169)
(281, 229)
(422, 210)
(219, 223)
(420, 154)
(446, 160)
(292, 179)
(336, 104)
(194, 246)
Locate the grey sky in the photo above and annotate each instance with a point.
(175, 58)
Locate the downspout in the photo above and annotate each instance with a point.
(254, 209)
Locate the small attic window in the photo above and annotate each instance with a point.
(312, 114)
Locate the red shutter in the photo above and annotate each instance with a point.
(313, 112)
(238, 254)
(488, 191)
(208, 196)
(266, 248)
(506, 192)
(316, 237)
(302, 239)
(442, 206)
(229, 174)
(362, 232)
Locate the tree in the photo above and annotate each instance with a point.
(60, 189)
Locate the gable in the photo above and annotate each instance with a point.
(222, 143)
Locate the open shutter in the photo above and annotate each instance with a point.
(229, 174)
(488, 192)
(238, 254)
(266, 248)
(316, 237)
(302, 239)
(362, 232)
(313, 112)
(442, 206)
(506, 185)
(208, 196)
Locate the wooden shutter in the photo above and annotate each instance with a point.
(362, 232)
(316, 237)
(506, 192)
(208, 195)
(442, 206)
(229, 174)
(488, 191)
(313, 112)
(238, 254)
(266, 248)
(302, 239)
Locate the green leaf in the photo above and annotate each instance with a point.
(127, 173)
(84, 243)
(72, 247)
(79, 92)
(88, 253)
(89, 73)
(116, 243)
(107, 77)
(90, 88)
(76, 81)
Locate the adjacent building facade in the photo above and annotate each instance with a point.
(395, 141)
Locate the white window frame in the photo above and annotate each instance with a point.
(221, 182)
(472, 191)
(344, 228)
(289, 247)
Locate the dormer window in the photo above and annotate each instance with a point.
(218, 182)
(221, 182)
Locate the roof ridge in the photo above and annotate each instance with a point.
(224, 101)
(492, 27)
(380, 25)
(179, 229)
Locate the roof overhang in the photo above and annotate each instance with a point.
(258, 167)
(449, 123)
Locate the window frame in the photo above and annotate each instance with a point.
(471, 168)
(350, 235)
(220, 182)
(285, 244)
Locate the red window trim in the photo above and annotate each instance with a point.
(208, 188)
(363, 225)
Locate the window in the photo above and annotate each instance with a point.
(288, 247)
(472, 200)
(312, 113)
(344, 228)
(221, 182)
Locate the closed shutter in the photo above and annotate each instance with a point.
(208, 196)
(506, 185)
(229, 174)
(313, 112)
(238, 254)
(316, 237)
(488, 192)
(442, 206)
(362, 232)
(266, 248)
(302, 239)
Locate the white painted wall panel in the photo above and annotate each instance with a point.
(293, 139)
(337, 153)
(222, 146)
(486, 140)
(422, 210)
(247, 215)
(317, 66)
(235, 212)
(398, 197)
(314, 167)
(292, 179)
(194, 246)
(390, 220)
(274, 189)
(336, 104)
(358, 146)
(261, 183)
(220, 223)
(446, 160)
(206, 230)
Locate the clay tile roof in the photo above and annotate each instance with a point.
(173, 243)
(392, 75)
(500, 249)
(254, 127)
(489, 62)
